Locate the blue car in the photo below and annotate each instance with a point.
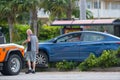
(76, 46)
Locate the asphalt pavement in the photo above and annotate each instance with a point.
(64, 76)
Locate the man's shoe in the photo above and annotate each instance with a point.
(33, 72)
(29, 71)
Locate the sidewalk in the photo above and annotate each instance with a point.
(64, 76)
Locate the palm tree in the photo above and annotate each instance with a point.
(76, 13)
(8, 10)
(32, 6)
(69, 8)
(59, 8)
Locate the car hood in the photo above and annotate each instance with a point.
(11, 44)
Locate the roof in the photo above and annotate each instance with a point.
(86, 22)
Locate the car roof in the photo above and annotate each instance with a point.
(95, 32)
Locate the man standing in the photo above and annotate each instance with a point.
(32, 50)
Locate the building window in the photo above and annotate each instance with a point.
(97, 5)
(89, 5)
(77, 3)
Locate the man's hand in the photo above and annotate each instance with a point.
(37, 52)
(23, 43)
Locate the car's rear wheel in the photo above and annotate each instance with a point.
(12, 66)
(42, 59)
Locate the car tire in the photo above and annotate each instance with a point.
(42, 59)
(12, 66)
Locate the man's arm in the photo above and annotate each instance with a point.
(26, 41)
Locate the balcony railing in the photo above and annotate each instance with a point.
(105, 13)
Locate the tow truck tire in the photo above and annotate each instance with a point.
(12, 66)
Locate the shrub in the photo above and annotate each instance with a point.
(20, 32)
(118, 56)
(107, 59)
(48, 32)
(89, 63)
(118, 53)
(65, 65)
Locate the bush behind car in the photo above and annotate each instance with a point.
(109, 58)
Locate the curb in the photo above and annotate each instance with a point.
(111, 69)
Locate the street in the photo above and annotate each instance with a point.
(64, 76)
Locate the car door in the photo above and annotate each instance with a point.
(91, 43)
(66, 48)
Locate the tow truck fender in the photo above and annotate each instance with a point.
(8, 53)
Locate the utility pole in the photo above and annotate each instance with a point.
(98, 6)
(82, 8)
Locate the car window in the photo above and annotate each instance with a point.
(70, 38)
(92, 37)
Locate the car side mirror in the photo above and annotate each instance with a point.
(54, 41)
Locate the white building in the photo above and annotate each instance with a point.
(104, 8)
(99, 8)
(43, 16)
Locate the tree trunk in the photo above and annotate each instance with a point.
(69, 10)
(69, 13)
(31, 20)
(10, 23)
(34, 12)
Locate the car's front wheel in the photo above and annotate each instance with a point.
(42, 59)
(12, 66)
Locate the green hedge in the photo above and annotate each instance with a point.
(48, 32)
(90, 62)
(19, 32)
(107, 59)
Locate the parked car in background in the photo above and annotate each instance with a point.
(76, 46)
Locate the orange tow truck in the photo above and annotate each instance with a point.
(11, 57)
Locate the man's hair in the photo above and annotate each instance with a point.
(29, 31)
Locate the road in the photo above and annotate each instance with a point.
(64, 76)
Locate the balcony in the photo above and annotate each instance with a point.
(105, 13)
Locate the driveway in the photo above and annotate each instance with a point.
(64, 76)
